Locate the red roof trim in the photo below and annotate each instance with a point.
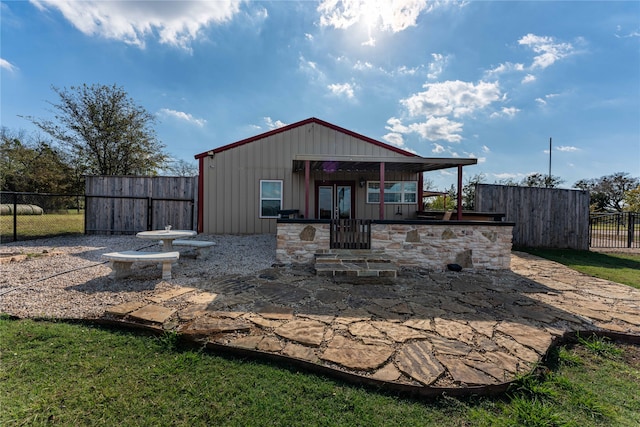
(302, 123)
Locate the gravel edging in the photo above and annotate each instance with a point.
(65, 277)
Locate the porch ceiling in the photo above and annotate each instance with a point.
(372, 164)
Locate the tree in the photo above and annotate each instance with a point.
(609, 192)
(182, 168)
(633, 199)
(443, 203)
(31, 164)
(541, 180)
(106, 132)
(469, 191)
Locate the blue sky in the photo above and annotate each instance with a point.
(487, 79)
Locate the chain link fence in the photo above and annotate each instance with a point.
(26, 216)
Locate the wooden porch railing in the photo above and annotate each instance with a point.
(350, 234)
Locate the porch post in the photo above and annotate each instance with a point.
(381, 190)
(420, 191)
(200, 218)
(306, 188)
(459, 217)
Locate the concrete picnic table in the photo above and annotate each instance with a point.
(167, 236)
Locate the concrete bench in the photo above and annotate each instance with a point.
(121, 262)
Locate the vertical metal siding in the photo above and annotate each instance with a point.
(232, 185)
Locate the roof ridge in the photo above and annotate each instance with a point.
(302, 123)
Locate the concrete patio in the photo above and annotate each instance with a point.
(423, 332)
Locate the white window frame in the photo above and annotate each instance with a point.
(403, 192)
(281, 182)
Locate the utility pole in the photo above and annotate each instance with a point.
(549, 178)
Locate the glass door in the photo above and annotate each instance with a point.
(334, 201)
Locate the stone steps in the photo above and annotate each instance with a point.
(355, 263)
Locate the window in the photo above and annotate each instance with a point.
(270, 198)
(394, 192)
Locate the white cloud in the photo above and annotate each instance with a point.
(567, 148)
(271, 124)
(436, 67)
(394, 138)
(385, 15)
(548, 50)
(180, 115)
(311, 69)
(508, 175)
(455, 98)
(529, 78)
(6, 65)
(176, 23)
(485, 149)
(504, 68)
(344, 89)
(437, 148)
(404, 70)
(434, 129)
(450, 98)
(543, 101)
(370, 42)
(359, 65)
(505, 112)
(629, 34)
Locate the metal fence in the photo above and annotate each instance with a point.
(614, 230)
(26, 216)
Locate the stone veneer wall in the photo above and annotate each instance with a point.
(432, 246)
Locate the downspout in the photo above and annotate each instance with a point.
(200, 226)
(459, 214)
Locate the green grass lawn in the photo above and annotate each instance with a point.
(35, 226)
(617, 267)
(75, 374)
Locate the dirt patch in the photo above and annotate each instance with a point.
(6, 257)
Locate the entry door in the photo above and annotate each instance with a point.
(334, 201)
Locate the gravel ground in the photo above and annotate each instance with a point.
(65, 277)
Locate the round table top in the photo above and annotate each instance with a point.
(166, 234)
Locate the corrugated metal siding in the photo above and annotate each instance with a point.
(232, 178)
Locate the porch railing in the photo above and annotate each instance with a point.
(350, 234)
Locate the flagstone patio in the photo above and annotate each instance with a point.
(423, 332)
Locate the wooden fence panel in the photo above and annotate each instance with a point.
(129, 204)
(543, 217)
(173, 202)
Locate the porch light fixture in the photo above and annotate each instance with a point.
(362, 182)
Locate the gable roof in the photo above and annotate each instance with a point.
(302, 123)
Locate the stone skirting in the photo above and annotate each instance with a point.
(431, 245)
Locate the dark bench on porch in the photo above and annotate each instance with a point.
(466, 215)
(289, 213)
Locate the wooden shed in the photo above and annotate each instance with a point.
(313, 170)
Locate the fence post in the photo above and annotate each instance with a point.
(15, 217)
(630, 229)
(149, 213)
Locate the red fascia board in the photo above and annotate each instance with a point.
(302, 123)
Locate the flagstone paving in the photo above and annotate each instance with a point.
(422, 329)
